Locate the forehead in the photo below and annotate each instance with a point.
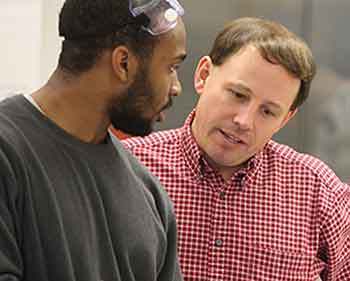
(171, 44)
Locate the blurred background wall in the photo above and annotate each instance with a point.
(30, 47)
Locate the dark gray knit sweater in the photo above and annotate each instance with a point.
(76, 211)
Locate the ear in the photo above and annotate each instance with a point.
(123, 63)
(201, 74)
(289, 116)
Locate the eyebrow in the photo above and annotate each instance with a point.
(241, 87)
(275, 105)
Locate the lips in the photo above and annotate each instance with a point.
(232, 138)
(161, 116)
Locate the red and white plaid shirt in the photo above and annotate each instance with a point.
(284, 217)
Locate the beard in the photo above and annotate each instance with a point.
(127, 110)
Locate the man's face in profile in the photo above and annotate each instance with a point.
(155, 82)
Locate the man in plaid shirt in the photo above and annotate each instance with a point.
(249, 208)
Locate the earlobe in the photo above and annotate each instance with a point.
(201, 74)
(121, 63)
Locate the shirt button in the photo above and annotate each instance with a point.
(219, 242)
(222, 194)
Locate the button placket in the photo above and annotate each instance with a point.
(219, 242)
(217, 254)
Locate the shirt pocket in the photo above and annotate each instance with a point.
(267, 264)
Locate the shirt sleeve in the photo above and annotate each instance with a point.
(11, 265)
(335, 238)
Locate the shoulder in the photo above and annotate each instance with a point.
(153, 189)
(157, 145)
(14, 118)
(305, 176)
(16, 125)
(297, 162)
(157, 139)
(304, 171)
(12, 155)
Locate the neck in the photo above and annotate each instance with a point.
(76, 105)
(225, 171)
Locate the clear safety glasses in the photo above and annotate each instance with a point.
(162, 14)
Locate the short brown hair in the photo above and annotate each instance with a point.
(276, 44)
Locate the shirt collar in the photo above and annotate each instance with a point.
(34, 103)
(196, 162)
(190, 148)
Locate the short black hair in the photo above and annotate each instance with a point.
(91, 26)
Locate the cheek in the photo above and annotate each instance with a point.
(264, 132)
(161, 85)
(210, 117)
(211, 100)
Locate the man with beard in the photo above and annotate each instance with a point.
(75, 205)
(249, 208)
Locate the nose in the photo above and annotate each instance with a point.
(244, 118)
(176, 87)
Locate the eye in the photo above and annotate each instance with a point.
(268, 113)
(236, 94)
(239, 95)
(174, 67)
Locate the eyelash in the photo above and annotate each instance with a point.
(265, 111)
(237, 94)
(268, 112)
